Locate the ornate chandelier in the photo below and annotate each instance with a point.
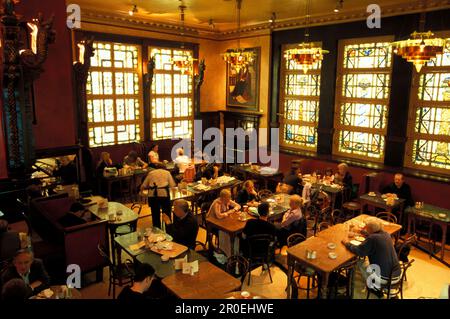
(420, 48)
(307, 55)
(184, 62)
(238, 58)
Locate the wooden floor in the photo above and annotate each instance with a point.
(426, 277)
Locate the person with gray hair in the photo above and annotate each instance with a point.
(184, 228)
(379, 249)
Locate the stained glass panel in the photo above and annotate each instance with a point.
(172, 96)
(300, 135)
(363, 99)
(434, 87)
(368, 55)
(367, 86)
(361, 143)
(303, 84)
(301, 110)
(432, 153)
(363, 115)
(113, 94)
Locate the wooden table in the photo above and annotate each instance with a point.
(230, 225)
(57, 290)
(379, 202)
(248, 172)
(127, 217)
(133, 177)
(324, 265)
(210, 282)
(431, 214)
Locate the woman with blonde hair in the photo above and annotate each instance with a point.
(104, 161)
(221, 208)
(248, 195)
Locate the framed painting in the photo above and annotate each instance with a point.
(243, 86)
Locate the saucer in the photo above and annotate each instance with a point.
(331, 245)
(332, 255)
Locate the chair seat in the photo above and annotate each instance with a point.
(352, 206)
(308, 271)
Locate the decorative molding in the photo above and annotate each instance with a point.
(265, 28)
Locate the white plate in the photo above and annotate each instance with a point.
(355, 242)
(332, 255)
(360, 238)
(331, 245)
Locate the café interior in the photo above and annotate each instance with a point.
(214, 149)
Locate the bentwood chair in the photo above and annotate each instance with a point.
(260, 253)
(238, 267)
(389, 217)
(312, 280)
(343, 278)
(264, 194)
(393, 288)
(119, 275)
(323, 226)
(338, 217)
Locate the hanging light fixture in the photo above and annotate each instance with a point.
(238, 58)
(133, 10)
(421, 47)
(307, 55)
(184, 61)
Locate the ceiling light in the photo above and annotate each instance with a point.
(133, 10)
(339, 6)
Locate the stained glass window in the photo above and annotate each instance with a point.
(428, 144)
(114, 104)
(299, 105)
(362, 99)
(171, 96)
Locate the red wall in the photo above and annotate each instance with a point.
(54, 97)
(435, 193)
(3, 171)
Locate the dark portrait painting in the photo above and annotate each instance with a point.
(243, 86)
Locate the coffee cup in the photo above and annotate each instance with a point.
(245, 294)
(112, 217)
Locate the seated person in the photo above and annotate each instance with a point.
(105, 161)
(132, 160)
(292, 183)
(67, 170)
(153, 156)
(31, 270)
(182, 161)
(9, 241)
(379, 248)
(400, 188)
(14, 290)
(343, 176)
(77, 215)
(257, 226)
(201, 156)
(248, 195)
(221, 208)
(291, 219)
(143, 277)
(184, 229)
(329, 176)
(209, 171)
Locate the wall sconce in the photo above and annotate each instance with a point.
(81, 50)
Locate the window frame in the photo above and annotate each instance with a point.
(283, 98)
(414, 104)
(172, 96)
(139, 97)
(341, 99)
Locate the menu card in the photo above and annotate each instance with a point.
(190, 268)
(179, 263)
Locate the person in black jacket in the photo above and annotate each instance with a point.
(9, 241)
(67, 171)
(184, 229)
(31, 270)
(401, 189)
(258, 226)
(142, 281)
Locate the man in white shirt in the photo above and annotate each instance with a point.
(158, 183)
(290, 219)
(182, 161)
